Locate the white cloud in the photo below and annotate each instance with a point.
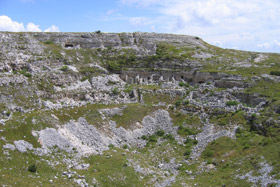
(217, 43)
(139, 21)
(53, 28)
(31, 27)
(7, 24)
(236, 23)
(264, 45)
(268, 45)
(218, 12)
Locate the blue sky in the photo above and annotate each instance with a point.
(241, 24)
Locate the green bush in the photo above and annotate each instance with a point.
(48, 42)
(254, 116)
(171, 107)
(113, 66)
(195, 142)
(144, 137)
(232, 103)
(187, 152)
(32, 168)
(87, 70)
(25, 72)
(111, 146)
(182, 84)
(115, 91)
(168, 136)
(160, 133)
(153, 138)
(221, 123)
(277, 73)
(186, 102)
(185, 131)
(188, 140)
(63, 68)
(125, 146)
(178, 103)
(246, 146)
(208, 153)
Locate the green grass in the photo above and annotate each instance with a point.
(113, 171)
(232, 103)
(245, 154)
(227, 119)
(266, 88)
(132, 114)
(185, 131)
(230, 156)
(180, 119)
(155, 98)
(14, 170)
(88, 72)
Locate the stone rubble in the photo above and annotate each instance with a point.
(87, 139)
(22, 146)
(264, 179)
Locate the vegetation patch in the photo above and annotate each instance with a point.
(132, 114)
(64, 68)
(277, 73)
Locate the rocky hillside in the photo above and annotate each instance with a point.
(136, 109)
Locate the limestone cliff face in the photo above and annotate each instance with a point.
(94, 40)
(65, 67)
(144, 42)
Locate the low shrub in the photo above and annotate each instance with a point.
(160, 133)
(187, 152)
(232, 103)
(277, 73)
(178, 103)
(115, 91)
(25, 72)
(32, 168)
(144, 137)
(182, 84)
(63, 68)
(168, 136)
(208, 153)
(153, 138)
(48, 42)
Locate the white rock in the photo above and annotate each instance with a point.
(23, 146)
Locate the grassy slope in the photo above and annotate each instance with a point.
(229, 155)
